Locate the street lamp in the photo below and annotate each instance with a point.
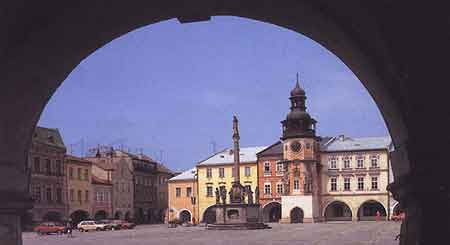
(193, 201)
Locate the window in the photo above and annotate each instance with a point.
(48, 194)
(86, 174)
(209, 191)
(37, 165)
(208, 173)
(333, 184)
(79, 173)
(188, 191)
(58, 195)
(71, 195)
(267, 189)
(267, 168)
(58, 167)
(360, 162)
(296, 184)
(71, 173)
(178, 192)
(48, 167)
(333, 163)
(280, 188)
(248, 171)
(374, 161)
(279, 167)
(79, 196)
(86, 196)
(308, 184)
(129, 187)
(346, 184)
(347, 162)
(360, 183)
(221, 172)
(36, 193)
(374, 183)
(308, 146)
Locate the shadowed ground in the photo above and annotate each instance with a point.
(374, 233)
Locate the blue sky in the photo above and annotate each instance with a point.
(171, 89)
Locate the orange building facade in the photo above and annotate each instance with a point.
(183, 203)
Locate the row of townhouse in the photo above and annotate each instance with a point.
(109, 184)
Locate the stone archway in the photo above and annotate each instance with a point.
(128, 216)
(368, 42)
(78, 216)
(52, 216)
(118, 215)
(338, 211)
(185, 216)
(296, 215)
(101, 214)
(369, 209)
(272, 212)
(209, 215)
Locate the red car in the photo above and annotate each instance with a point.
(50, 227)
(399, 217)
(124, 224)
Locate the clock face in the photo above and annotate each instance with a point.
(296, 146)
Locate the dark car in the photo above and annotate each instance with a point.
(124, 224)
(110, 224)
(50, 227)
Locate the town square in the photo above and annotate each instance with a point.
(373, 233)
(224, 122)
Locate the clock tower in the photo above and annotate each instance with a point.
(301, 161)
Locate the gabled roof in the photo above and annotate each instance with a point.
(49, 136)
(275, 149)
(345, 143)
(186, 175)
(77, 159)
(247, 154)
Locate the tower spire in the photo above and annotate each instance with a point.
(297, 84)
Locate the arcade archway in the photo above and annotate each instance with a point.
(296, 215)
(78, 216)
(185, 216)
(371, 210)
(338, 211)
(209, 216)
(52, 216)
(101, 214)
(272, 212)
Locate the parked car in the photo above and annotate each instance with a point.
(124, 224)
(50, 227)
(90, 225)
(110, 225)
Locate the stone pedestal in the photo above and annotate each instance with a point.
(236, 216)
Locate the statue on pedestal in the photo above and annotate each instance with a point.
(257, 195)
(249, 196)
(223, 194)
(217, 196)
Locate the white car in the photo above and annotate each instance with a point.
(91, 226)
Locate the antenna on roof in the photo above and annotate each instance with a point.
(214, 145)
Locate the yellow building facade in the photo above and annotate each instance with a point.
(79, 173)
(217, 171)
(183, 197)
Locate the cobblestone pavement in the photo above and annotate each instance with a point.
(354, 233)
